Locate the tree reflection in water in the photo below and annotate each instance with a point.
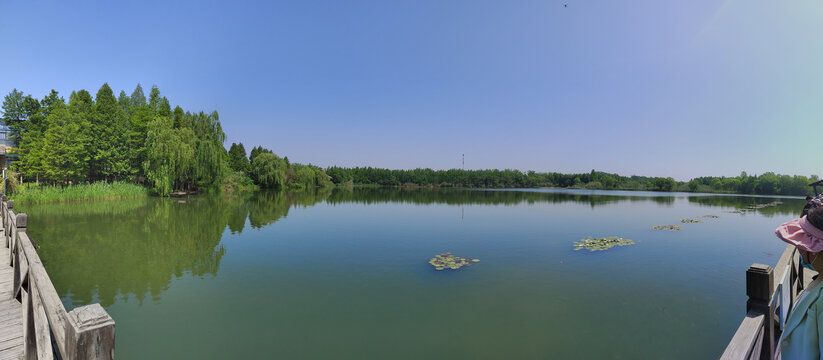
(97, 251)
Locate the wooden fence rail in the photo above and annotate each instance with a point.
(49, 331)
(768, 307)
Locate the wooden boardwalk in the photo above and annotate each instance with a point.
(34, 324)
(11, 313)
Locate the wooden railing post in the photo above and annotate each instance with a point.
(20, 269)
(760, 288)
(7, 224)
(3, 209)
(89, 333)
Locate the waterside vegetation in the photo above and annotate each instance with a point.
(33, 194)
(143, 141)
(132, 139)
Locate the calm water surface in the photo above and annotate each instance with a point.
(344, 274)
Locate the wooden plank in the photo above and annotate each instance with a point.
(29, 347)
(12, 330)
(785, 259)
(55, 311)
(5, 214)
(12, 343)
(11, 227)
(11, 247)
(10, 315)
(11, 334)
(18, 274)
(12, 353)
(745, 338)
(23, 273)
(41, 327)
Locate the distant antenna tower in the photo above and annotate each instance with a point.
(464, 161)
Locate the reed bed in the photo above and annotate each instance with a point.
(32, 194)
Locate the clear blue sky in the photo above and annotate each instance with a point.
(701, 87)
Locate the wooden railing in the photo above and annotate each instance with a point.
(49, 332)
(768, 307)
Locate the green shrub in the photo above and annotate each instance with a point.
(12, 182)
(238, 180)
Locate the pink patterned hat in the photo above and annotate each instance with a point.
(802, 234)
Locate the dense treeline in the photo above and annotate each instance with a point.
(111, 138)
(143, 140)
(138, 139)
(765, 184)
(495, 179)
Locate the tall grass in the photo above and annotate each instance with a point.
(31, 193)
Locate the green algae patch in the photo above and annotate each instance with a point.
(604, 243)
(709, 216)
(448, 261)
(667, 227)
(690, 221)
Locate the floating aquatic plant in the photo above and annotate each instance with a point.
(690, 221)
(605, 243)
(667, 227)
(709, 216)
(760, 206)
(754, 207)
(448, 261)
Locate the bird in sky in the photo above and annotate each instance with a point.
(565, 5)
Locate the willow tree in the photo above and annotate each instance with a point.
(170, 158)
(269, 170)
(210, 155)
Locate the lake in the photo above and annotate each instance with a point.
(344, 274)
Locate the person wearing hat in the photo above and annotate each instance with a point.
(803, 334)
(810, 204)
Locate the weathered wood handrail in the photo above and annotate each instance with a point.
(87, 332)
(768, 307)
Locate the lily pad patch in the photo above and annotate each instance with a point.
(710, 216)
(448, 261)
(604, 243)
(690, 221)
(755, 207)
(667, 227)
